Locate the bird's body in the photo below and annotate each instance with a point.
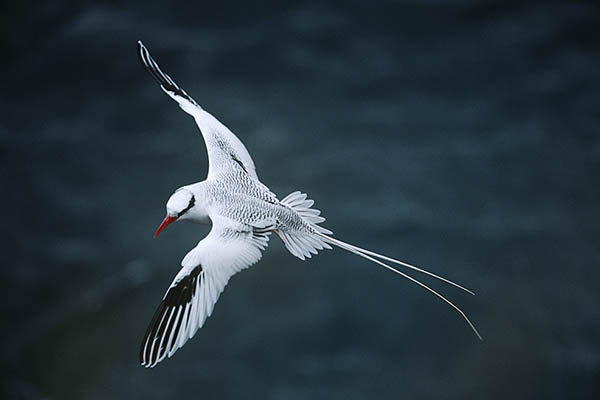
(251, 204)
(243, 213)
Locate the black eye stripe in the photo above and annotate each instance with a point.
(190, 205)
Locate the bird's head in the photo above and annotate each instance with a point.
(178, 207)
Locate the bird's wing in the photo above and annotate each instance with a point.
(225, 151)
(226, 250)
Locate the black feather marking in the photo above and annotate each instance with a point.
(143, 53)
(237, 160)
(151, 353)
(160, 334)
(156, 339)
(159, 76)
(189, 206)
(150, 334)
(260, 231)
(179, 322)
(172, 339)
(169, 329)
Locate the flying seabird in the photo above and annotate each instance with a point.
(243, 213)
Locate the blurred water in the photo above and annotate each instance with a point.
(462, 137)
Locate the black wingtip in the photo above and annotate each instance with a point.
(140, 46)
(163, 331)
(159, 76)
(150, 65)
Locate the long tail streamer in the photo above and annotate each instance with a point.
(376, 258)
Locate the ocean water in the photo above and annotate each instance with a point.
(462, 137)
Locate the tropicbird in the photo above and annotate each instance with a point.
(243, 212)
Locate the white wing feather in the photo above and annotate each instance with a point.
(189, 301)
(225, 151)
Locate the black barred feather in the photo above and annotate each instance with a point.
(163, 330)
(160, 77)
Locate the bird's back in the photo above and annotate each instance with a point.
(245, 200)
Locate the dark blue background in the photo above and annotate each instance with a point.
(463, 137)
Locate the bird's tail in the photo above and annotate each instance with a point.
(377, 259)
(303, 245)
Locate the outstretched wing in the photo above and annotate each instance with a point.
(225, 151)
(228, 248)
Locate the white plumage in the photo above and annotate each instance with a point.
(243, 212)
